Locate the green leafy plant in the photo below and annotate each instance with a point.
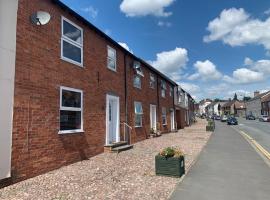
(171, 152)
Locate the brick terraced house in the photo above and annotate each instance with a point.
(68, 90)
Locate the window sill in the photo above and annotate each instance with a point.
(137, 126)
(164, 124)
(72, 62)
(70, 132)
(111, 69)
(137, 87)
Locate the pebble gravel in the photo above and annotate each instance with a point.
(127, 175)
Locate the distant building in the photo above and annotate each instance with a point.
(203, 104)
(266, 105)
(215, 108)
(254, 105)
(234, 107)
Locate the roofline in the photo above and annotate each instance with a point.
(79, 17)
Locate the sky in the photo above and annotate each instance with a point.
(212, 48)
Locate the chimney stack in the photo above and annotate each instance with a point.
(256, 93)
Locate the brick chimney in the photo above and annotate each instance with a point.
(256, 93)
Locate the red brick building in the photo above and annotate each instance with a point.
(75, 90)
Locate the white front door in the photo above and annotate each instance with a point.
(153, 117)
(112, 119)
(172, 121)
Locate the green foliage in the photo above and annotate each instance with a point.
(171, 152)
(246, 98)
(235, 97)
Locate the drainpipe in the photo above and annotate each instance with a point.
(158, 104)
(126, 101)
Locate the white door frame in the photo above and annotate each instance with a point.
(151, 120)
(172, 121)
(109, 97)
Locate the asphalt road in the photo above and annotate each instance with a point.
(228, 168)
(260, 131)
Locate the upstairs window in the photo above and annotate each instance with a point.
(71, 103)
(164, 116)
(138, 114)
(111, 58)
(71, 42)
(138, 68)
(137, 82)
(163, 89)
(171, 91)
(152, 81)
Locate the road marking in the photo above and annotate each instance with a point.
(257, 145)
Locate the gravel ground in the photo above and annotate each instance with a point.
(127, 175)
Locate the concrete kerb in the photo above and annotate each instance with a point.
(190, 166)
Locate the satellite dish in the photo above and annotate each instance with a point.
(40, 18)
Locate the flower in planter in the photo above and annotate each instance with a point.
(171, 152)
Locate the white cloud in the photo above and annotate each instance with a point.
(206, 70)
(91, 11)
(133, 8)
(267, 12)
(125, 46)
(217, 90)
(244, 76)
(190, 87)
(248, 61)
(236, 28)
(262, 66)
(164, 24)
(171, 62)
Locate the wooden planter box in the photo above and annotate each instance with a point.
(170, 166)
(210, 128)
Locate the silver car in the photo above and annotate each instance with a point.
(264, 118)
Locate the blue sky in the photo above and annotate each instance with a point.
(211, 48)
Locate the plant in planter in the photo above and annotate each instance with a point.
(158, 132)
(170, 162)
(210, 126)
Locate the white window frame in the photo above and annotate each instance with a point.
(137, 86)
(163, 89)
(138, 68)
(141, 114)
(152, 83)
(171, 91)
(162, 109)
(71, 109)
(114, 59)
(72, 42)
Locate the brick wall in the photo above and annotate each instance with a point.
(37, 147)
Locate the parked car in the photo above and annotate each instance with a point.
(264, 118)
(217, 118)
(232, 121)
(250, 117)
(224, 118)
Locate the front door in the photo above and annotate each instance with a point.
(153, 117)
(112, 119)
(172, 121)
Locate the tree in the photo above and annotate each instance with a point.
(246, 98)
(235, 97)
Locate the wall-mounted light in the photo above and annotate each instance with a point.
(40, 18)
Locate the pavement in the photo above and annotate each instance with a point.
(228, 168)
